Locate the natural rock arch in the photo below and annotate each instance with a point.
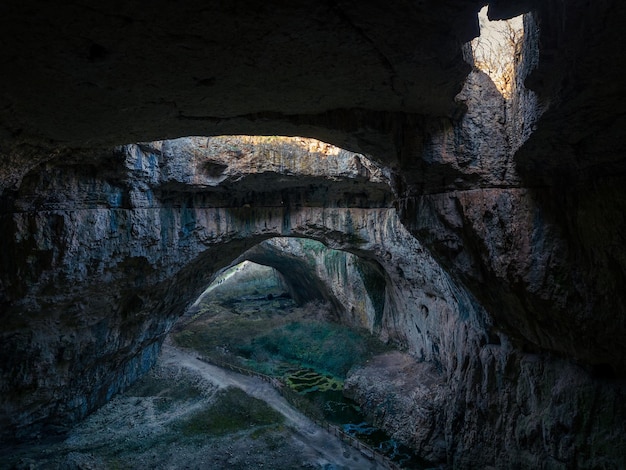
(136, 266)
(354, 287)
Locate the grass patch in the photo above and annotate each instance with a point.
(310, 355)
(324, 347)
(232, 411)
(225, 331)
(267, 339)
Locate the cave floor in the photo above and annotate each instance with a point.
(161, 423)
(187, 413)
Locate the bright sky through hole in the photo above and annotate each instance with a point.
(496, 48)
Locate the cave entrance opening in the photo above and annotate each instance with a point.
(301, 316)
(498, 49)
(246, 282)
(296, 284)
(260, 184)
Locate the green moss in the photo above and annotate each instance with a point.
(308, 380)
(325, 347)
(232, 411)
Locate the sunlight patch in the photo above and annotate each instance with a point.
(498, 49)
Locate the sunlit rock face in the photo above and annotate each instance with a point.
(244, 171)
(524, 245)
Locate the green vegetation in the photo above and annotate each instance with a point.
(275, 341)
(309, 355)
(324, 347)
(232, 411)
(220, 330)
(308, 380)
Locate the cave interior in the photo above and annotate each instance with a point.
(145, 150)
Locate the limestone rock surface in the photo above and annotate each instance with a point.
(499, 235)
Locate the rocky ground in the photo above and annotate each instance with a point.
(188, 414)
(388, 387)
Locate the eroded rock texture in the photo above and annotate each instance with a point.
(497, 226)
(88, 230)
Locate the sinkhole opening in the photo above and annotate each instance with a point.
(498, 49)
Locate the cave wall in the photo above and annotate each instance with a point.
(521, 203)
(536, 240)
(385, 282)
(77, 75)
(139, 243)
(538, 247)
(98, 265)
(109, 259)
(353, 287)
(468, 384)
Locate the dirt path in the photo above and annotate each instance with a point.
(329, 447)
